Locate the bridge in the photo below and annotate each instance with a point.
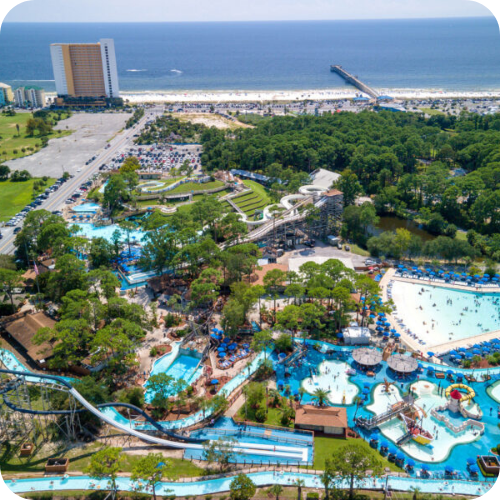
(354, 80)
(384, 417)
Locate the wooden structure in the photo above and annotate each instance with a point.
(57, 465)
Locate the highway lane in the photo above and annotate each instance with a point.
(57, 199)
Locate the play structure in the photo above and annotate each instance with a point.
(461, 400)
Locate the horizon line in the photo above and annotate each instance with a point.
(491, 16)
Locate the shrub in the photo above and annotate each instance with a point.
(153, 352)
(312, 495)
(260, 415)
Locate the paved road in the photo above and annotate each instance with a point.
(57, 199)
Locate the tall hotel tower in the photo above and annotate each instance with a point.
(85, 69)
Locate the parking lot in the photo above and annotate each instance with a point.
(160, 158)
(70, 153)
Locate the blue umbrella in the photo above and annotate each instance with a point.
(487, 343)
(374, 437)
(366, 390)
(386, 334)
(420, 365)
(476, 351)
(453, 353)
(462, 349)
(366, 384)
(160, 464)
(448, 469)
(474, 469)
(410, 463)
(430, 354)
(397, 335)
(425, 467)
(214, 381)
(468, 355)
(400, 456)
(384, 444)
(449, 372)
(430, 368)
(340, 335)
(392, 450)
(471, 461)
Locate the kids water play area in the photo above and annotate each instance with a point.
(436, 423)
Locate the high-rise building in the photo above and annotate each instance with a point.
(29, 97)
(6, 95)
(85, 69)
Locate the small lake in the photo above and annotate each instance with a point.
(391, 223)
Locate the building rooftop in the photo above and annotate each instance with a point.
(327, 416)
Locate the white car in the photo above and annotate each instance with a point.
(78, 169)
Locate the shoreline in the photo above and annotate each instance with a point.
(333, 94)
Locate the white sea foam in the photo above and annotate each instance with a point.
(136, 70)
(176, 71)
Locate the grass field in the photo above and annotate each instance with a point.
(325, 447)
(431, 111)
(14, 196)
(257, 199)
(10, 141)
(195, 186)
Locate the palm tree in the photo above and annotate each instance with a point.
(299, 483)
(276, 490)
(415, 490)
(302, 391)
(320, 396)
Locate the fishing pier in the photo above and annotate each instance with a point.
(354, 80)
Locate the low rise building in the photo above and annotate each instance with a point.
(328, 420)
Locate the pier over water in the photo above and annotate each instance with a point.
(354, 80)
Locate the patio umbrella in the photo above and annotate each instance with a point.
(462, 349)
(468, 355)
(425, 467)
(160, 464)
(453, 353)
(372, 316)
(384, 444)
(366, 390)
(430, 354)
(386, 334)
(374, 437)
(487, 343)
(449, 372)
(400, 456)
(392, 450)
(366, 384)
(410, 463)
(420, 365)
(474, 469)
(430, 368)
(393, 330)
(448, 469)
(340, 335)
(476, 351)
(471, 461)
(397, 335)
(486, 350)
(214, 381)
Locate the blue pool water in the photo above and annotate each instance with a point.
(90, 231)
(441, 314)
(91, 208)
(227, 427)
(260, 479)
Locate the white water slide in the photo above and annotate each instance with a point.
(287, 452)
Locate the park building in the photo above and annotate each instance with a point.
(85, 71)
(6, 95)
(29, 97)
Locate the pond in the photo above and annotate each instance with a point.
(391, 223)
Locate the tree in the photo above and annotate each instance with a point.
(351, 462)
(320, 396)
(328, 478)
(9, 282)
(233, 316)
(242, 488)
(163, 386)
(276, 490)
(349, 185)
(69, 274)
(207, 212)
(273, 280)
(105, 464)
(115, 192)
(128, 227)
(220, 451)
(4, 172)
(152, 468)
(299, 483)
(204, 290)
(261, 341)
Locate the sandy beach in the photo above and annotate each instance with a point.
(195, 96)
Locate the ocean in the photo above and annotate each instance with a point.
(461, 54)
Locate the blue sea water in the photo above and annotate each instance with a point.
(449, 54)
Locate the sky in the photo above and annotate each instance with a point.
(235, 10)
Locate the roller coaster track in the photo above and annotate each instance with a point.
(299, 454)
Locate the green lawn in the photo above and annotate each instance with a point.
(358, 250)
(10, 141)
(258, 189)
(325, 447)
(80, 459)
(195, 186)
(14, 196)
(431, 111)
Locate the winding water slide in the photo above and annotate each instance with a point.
(287, 452)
